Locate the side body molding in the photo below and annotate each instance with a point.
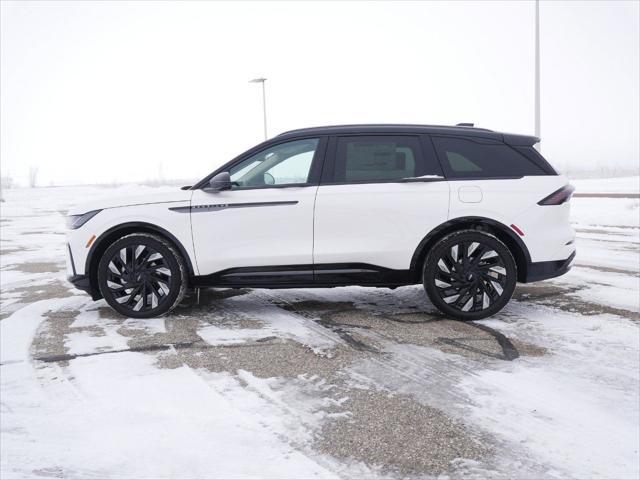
(223, 206)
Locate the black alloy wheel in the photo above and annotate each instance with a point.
(469, 275)
(142, 275)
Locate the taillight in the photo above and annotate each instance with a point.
(559, 196)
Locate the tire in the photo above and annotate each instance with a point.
(142, 276)
(469, 286)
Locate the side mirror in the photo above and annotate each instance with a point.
(221, 181)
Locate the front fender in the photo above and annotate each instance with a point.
(111, 223)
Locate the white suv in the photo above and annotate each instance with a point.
(465, 211)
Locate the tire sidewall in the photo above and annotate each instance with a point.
(175, 285)
(430, 266)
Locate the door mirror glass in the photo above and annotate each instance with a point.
(221, 181)
(268, 179)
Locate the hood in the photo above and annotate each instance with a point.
(115, 200)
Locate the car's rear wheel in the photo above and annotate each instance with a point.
(142, 275)
(469, 275)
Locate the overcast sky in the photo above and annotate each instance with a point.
(99, 92)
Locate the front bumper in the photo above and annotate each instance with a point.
(537, 271)
(82, 282)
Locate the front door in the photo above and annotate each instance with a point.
(261, 229)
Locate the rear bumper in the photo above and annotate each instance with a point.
(537, 271)
(82, 282)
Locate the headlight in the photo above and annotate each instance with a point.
(76, 221)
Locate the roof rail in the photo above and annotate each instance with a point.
(394, 126)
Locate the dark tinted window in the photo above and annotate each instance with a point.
(377, 158)
(533, 155)
(466, 158)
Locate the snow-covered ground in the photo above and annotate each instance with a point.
(607, 185)
(321, 383)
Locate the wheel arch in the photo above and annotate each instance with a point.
(507, 236)
(112, 234)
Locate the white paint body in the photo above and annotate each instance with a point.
(515, 202)
(149, 209)
(377, 223)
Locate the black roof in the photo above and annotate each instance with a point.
(466, 131)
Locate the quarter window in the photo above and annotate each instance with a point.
(284, 164)
(466, 158)
(376, 158)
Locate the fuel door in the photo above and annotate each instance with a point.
(470, 194)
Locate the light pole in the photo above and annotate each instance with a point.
(264, 102)
(537, 74)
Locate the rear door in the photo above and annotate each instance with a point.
(379, 197)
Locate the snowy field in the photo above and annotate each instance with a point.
(321, 383)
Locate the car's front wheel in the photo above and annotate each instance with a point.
(142, 275)
(469, 275)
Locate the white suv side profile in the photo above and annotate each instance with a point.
(467, 212)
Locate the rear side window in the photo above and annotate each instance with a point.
(376, 158)
(533, 155)
(466, 158)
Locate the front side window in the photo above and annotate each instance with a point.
(376, 158)
(284, 164)
(466, 158)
